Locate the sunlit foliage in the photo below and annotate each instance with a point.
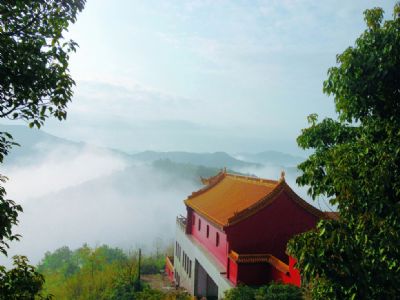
(101, 273)
(273, 291)
(34, 84)
(356, 164)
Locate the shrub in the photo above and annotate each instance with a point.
(241, 292)
(277, 291)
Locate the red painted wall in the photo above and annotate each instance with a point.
(294, 273)
(262, 273)
(278, 276)
(232, 271)
(254, 274)
(220, 252)
(292, 278)
(269, 229)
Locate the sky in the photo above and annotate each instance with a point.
(205, 75)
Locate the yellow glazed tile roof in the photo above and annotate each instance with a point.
(227, 199)
(226, 195)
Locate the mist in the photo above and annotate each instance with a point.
(74, 193)
(94, 196)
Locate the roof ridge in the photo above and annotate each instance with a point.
(213, 181)
(252, 178)
(303, 203)
(268, 199)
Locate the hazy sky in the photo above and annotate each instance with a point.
(205, 75)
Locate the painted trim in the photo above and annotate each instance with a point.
(259, 258)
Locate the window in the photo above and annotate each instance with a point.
(190, 268)
(179, 252)
(217, 239)
(193, 220)
(187, 264)
(199, 227)
(208, 231)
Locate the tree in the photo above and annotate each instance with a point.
(279, 291)
(356, 164)
(243, 292)
(272, 291)
(34, 77)
(21, 282)
(34, 80)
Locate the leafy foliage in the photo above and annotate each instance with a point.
(34, 78)
(100, 273)
(9, 210)
(8, 218)
(243, 292)
(273, 291)
(34, 84)
(356, 163)
(277, 291)
(21, 282)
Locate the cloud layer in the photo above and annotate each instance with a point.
(96, 197)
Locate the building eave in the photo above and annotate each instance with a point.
(210, 219)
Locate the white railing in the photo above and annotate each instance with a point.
(181, 222)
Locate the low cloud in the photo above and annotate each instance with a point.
(95, 197)
(60, 168)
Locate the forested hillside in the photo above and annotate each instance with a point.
(104, 273)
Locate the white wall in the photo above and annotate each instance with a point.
(196, 251)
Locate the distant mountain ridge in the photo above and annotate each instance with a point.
(211, 160)
(36, 143)
(271, 157)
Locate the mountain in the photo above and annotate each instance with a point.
(34, 145)
(272, 158)
(187, 171)
(212, 160)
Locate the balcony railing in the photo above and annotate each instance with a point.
(181, 222)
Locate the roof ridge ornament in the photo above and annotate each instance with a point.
(282, 176)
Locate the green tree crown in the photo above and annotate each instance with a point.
(356, 163)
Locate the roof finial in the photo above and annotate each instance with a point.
(282, 176)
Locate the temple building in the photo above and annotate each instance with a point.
(235, 231)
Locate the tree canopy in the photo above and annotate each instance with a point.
(34, 84)
(356, 164)
(34, 77)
